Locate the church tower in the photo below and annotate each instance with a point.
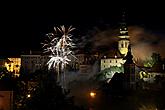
(129, 70)
(124, 41)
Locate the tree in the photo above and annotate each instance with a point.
(108, 73)
(4, 74)
(47, 94)
(155, 58)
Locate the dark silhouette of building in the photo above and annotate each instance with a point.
(129, 70)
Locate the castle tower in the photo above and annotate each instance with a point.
(124, 41)
(129, 70)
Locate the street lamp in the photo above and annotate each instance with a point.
(28, 95)
(92, 94)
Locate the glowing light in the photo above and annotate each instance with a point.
(115, 56)
(92, 94)
(28, 95)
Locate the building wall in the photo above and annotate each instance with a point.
(6, 100)
(109, 62)
(123, 46)
(81, 60)
(149, 76)
(31, 63)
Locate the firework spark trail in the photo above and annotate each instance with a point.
(59, 48)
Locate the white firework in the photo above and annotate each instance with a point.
(59, 48)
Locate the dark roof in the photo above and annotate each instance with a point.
(82, 51)
(123, 39)
(8, 61)
(31, 52)
(114, 52)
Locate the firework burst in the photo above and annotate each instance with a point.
(59, 48)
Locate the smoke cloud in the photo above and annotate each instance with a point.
(144, 42)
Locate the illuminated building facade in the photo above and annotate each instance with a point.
(115, 56)
(13, 65)
(149, 74)
(124, 41)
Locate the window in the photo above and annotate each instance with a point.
(104, 61)
(116, 61)
(122, 45)
(110, 61)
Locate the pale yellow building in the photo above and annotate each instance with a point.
(114, 58)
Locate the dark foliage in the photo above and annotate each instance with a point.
(46, 94)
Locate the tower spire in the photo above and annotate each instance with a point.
(123, 25)
(129, 56)
(123, 42)
(123, 16)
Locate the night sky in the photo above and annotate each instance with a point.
(24, 25)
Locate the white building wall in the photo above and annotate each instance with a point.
(109, 62)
